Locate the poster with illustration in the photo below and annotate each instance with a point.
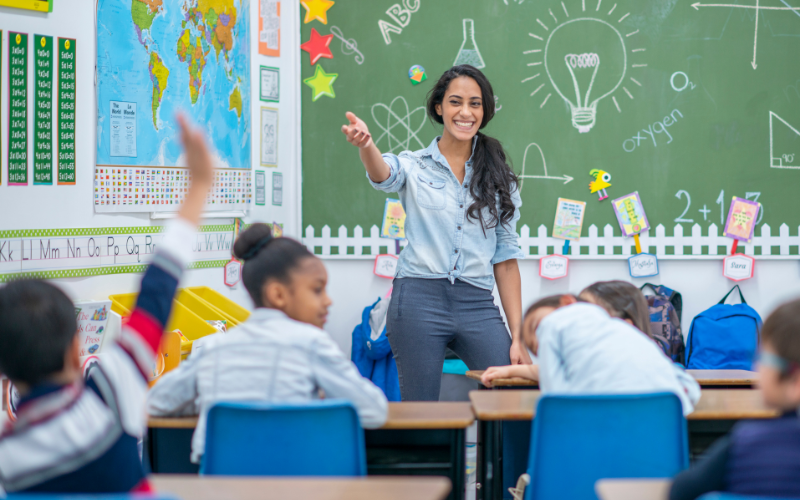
(742, 218)
(569, 219)
(394, 220)
(92, 325)
(630, 214)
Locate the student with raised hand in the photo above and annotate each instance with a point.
(581, 349)
(80, 436)
(462, 203)
(280, 354)
(759, 458)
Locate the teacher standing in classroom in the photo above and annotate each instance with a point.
(462, 204)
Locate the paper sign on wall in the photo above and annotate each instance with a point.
(385, 266)
(643, 265)
(92, 325)
(269, 137)
(569, 219)
(738, 267)
(269, 28)
(270, 88)
(394, 220)
(630, 214)
(553, 267)
(742, 218)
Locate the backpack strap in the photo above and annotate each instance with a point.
(735, 287)
(654, 287)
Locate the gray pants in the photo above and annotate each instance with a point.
(428, 315)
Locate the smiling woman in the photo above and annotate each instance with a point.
(462, 204)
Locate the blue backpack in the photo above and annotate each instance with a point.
(724, 337)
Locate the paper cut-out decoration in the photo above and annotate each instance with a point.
(569, 219)
(742, 218)
(469, 52)
(233, 272)
(738, 267)
(417, 74)
(553, 267)
(318, 46)
(601, 181)
(321, 83)
(277, 230)
(316, 9)
(394, 220)
(630, 214)
(385, 266)
(643, 265)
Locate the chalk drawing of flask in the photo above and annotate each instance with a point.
(469, 53)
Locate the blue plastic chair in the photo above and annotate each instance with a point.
(87, 496)
(577, 440)
(730, 496)
(318, 438)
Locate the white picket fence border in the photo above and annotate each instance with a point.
(594, 242)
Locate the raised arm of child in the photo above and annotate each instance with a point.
(530, 372)
(140, 337)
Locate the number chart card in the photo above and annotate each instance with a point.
(630, 214)
(18, 109)
(569, 219)
(742, 218)
(43, 110)
(66, 111)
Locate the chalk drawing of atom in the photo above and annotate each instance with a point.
(398, 125)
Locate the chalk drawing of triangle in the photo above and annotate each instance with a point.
(785, 152)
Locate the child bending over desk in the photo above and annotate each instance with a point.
(761, 457)
(72, 436)
(583, 350)
(280, 354)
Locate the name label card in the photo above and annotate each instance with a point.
(643, 265)
(553, 267)
(738, 267)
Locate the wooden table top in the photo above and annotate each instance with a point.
(633, 489)
(193, 487)
(706, 378)
(714, 404)
(409, 415)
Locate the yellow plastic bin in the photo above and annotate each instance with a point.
(220, 302)
(182, 318)
(203, 309)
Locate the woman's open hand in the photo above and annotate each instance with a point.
(357, 132)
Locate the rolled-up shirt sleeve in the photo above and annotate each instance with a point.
(507, 238)
(397, 175)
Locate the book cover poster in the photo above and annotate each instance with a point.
(92, 325)
(394, 220)
(569, 219)
(742, 218)
(630, 214)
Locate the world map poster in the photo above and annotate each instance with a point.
(156, 58)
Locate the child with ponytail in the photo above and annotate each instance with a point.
(280, 354)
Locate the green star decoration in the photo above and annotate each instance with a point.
(322, 83)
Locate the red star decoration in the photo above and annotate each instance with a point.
(317, 46)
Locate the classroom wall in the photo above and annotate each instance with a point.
(45, 207)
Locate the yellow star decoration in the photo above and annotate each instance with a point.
(322, 83)
(316, 9)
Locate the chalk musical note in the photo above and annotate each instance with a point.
(349, 46)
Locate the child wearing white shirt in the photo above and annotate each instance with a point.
(279, 354)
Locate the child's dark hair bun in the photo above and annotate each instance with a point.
(252, 241)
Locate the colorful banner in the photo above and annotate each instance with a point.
(69, 253)
(18, 109)
(66, 111)
(43, 109)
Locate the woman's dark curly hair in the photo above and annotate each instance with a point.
(493, 181)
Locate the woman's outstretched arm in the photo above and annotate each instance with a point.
(358, 135)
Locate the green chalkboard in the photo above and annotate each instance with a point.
(696, 103)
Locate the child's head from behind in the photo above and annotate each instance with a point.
(779, 357)
(537, 312)
(621, 300)
(38, 328)
(282, 274)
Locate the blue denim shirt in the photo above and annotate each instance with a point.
(442, 241)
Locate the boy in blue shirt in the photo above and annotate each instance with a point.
(760, 457)
(81, 436)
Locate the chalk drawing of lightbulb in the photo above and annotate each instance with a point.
(585, 58)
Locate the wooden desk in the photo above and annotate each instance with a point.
(420, 438)
(510, 411)
(189, 487)
(633, 489)
(706, 378)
